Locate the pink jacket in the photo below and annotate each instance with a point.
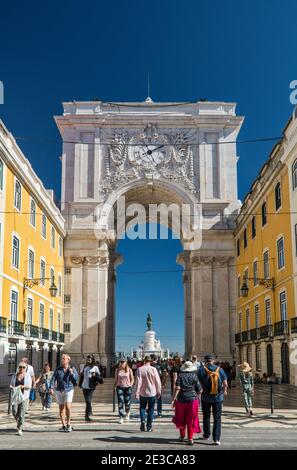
(148, 382)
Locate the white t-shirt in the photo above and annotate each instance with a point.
(88, 371)
(30, 370)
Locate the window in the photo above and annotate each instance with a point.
(41, 316)
(12, 358)
(246, 276)
(31, 264)
(266, 264)
(67, 299)
(51, 319)
(280, 253)
(53, 237)
(240, 322)
(15, 252)
(59, 286)
(238, 247)
(29, 311)
(245, 240)
(257, 316)
(66, 327)
(14, 305)
(254, 230)
(277, 196)
(283, 305)
(1, 175)
(258, 358)
(43, 226)
(294, 174)
(59, 323)
(255, 273)
(268, 312)
(238, 286)
(17, 195)
(33, 213)
(52, 275)
(264, 214)
(60, 247)
(42, 271)
(247, 319)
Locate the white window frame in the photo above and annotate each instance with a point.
(266, 274)
(33, 212)
(31, 299)
(41, 304)
(255, 278)
(42, 260)
(279, 238)
(51, 318)
(60, 246)
(283, 292)
(43, 217)
(14, 290)
(257, 314)
(31, 249)
(268, 299)
(14, 195)
(53, 237)
(60, 286)
(15, 235)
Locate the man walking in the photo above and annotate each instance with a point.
(63, 382)
(214, 382)
(148, 387)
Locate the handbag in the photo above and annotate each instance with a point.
(17, 396)
(32, 396)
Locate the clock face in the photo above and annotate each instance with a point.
(148, 154)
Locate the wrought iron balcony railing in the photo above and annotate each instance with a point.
(255, 334)
(16, 328)
(281, 328)
(32, 331)
(294, 325)
(266, 331)
(45, 333)
(3, 325)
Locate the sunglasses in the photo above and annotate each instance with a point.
(22, 367)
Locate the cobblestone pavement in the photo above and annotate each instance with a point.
(104, 432)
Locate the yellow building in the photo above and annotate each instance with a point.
(266, 268)
(31, 248)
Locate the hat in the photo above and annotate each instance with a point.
(188, 367)
(245, 367)
(209, 357)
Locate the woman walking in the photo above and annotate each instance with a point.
(43, 383)
(186, 402)
(21, 384)
(123, 383)
(246, 380)
(89, 378)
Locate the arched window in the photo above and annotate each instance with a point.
(294, 174)
(277, 196)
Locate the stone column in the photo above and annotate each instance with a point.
(221, 320)
(232, 302)
(76, 303)
(184, 260)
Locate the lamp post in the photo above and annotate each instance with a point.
(269, 283)
(27, 282)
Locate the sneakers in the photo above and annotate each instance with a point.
(181, 439)
(149, 429)
(217, 443)
(19, 432)
(87, 418)
(127, 417)
(191, 442)
(142, 427)
(121, 421)
(205, 438)
(69, 428)
(62, 429)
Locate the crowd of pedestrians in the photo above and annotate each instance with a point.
(194, 384)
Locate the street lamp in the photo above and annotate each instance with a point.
(27, 282)
(269, 283)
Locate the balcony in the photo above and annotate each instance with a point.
(32, 331)
(281, 328)
(294, 325)
(246, 336)
(16, 328)
(45, 333)
(238, 338)
(255, 334)
(3, 325)
(54, 336)
(266, 331)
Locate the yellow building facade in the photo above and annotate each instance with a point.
(31, 261)
(266, 272)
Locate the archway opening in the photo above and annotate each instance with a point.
(150, 281)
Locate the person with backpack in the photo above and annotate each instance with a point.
(89, 378)
(214, 383)
(186, 402)
(246, 381)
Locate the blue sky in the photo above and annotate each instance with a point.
(232, 51)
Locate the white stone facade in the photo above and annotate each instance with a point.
(194, 162)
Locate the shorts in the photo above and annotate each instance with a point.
(64, 397)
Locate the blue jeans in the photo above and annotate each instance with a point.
(159, 405)
(216, 408)
(148, 402)
(124, 400)
(46, 399)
